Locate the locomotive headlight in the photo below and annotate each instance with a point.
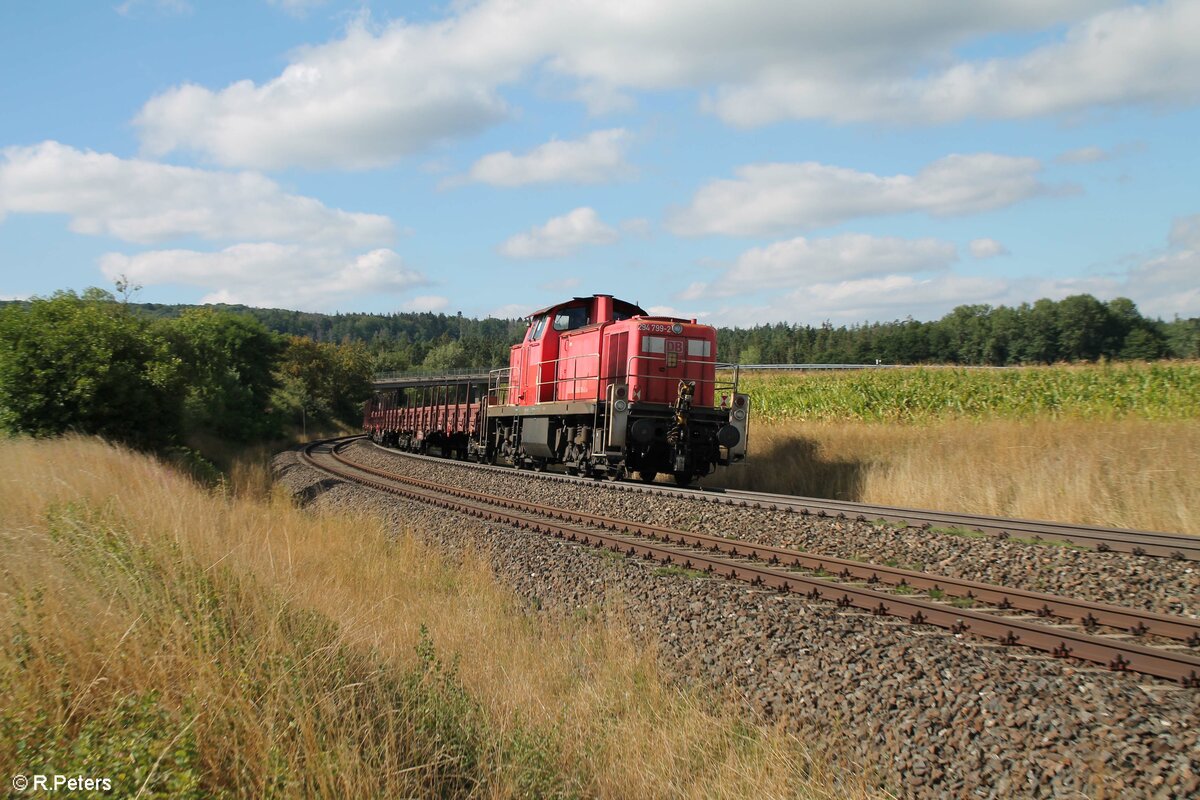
(621, 406)
(739, 414)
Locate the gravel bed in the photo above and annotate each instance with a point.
(935, 715)
(1158, 584)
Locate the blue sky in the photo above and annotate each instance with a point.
(741, 162)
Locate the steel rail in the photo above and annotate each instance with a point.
(1060, 642)
(1180, 546)
(1087, 613)
(1142, 543)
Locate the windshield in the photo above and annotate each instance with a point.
(568, 319)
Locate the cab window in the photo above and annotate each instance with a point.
(568, 319)
(538, 329)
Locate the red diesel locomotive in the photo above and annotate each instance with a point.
(597, 384)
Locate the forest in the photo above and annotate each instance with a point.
(1076, 328)
(154, 375)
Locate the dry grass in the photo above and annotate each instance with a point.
(1129, 473)
(196, 643)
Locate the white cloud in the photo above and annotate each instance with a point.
(560, 236)
(597, 158)
(987, 248)
(360, 101)
(373, 96)
(1139, 54)
(431, 302)
(770, 198)
(1169, 284)
(268, 274)
(145, 202)
(805, 262)
(1162, 286)
(866, 299)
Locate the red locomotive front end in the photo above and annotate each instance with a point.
(600, 385)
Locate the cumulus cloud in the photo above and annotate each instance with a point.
(865, 299)
(1139, 54)
(560, 236)
(805, 262)
(770, 198)
(375, 95)
(597, 158)
(987, 248)
(1163, 285)
(268, 274)
(146, 202)
(361, 101)
(1169, 283)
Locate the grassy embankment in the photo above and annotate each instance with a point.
(1105, 444)
(190, 643)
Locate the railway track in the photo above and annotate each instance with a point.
(1141, 543)
(1061, 626)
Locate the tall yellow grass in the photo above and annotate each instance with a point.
(213, 643)
(1129, 473)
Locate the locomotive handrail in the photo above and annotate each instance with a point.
(574, 379)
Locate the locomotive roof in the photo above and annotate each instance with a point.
(634, 306)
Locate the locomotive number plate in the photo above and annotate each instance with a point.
(660, 327)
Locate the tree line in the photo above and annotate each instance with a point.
(91, 364)
(1076, 328)
(151, 374)
(398, 342)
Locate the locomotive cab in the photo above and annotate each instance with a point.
(559, 358)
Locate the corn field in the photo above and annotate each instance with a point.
(1151, 391)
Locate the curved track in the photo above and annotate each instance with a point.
(855, 584)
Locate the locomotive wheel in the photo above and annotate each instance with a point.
(646, 476)
(683, 479)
